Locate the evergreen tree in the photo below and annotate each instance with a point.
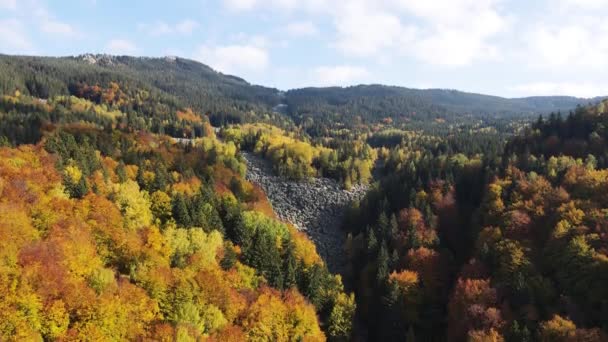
(313, 284)
(141, 179)
(382, 265)
(121, 172)
(372, 242)
(241, 235)
(394, 227)
(230, 257)
(289, 265)
(180, 211)
(384, 226)
(160, 178)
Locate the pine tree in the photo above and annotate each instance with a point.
(289, 265)
(256, 255)
(160, 178)
(230, 257)
(241, 235)
(79, 189)
(382, 265)
(180, 211)
(372, 242)
(394, 230)
(265, 257)
(141, 180)
(313, 284)
(518, 333)
(392, 324)
(384, 227)
(394, 259)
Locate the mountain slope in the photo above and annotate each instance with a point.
(375, 102)
(188, 82)
(230, 98)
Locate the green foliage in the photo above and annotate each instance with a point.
(317, 108)
(294, 157)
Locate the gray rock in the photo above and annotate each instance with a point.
(315, 207)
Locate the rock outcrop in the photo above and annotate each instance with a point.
(314, 206)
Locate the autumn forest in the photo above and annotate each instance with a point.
(126, 212)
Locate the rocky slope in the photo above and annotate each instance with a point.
(315, 207)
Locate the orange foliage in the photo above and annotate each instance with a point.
(187, 187)
(405, 279)
(431, 266)
(74, 269)
(410, 221)
(472, 307)
(189, 116)
(259, 202)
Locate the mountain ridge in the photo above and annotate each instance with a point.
(199, 86)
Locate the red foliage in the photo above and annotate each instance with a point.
(472, 307)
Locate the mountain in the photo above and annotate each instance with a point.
(231, 98)
(185, 81)
(375, 102)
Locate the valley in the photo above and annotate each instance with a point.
(314, 206)
(158, 199)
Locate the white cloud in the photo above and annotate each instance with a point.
(340, 75)
(121, 47)
(456, 32)
(364, 32)
(55, 27)
(240, 5)
(451, 33)
(582, 89)
(257, 40)
(289, 5)
(583, 46)
(184, 27)
(585, 4)
(234, 59)
(49, 24)
(8, 4)
(302, 29)
(13, 37)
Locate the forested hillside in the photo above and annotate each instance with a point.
(511, 246)
(125, 213)
(229, 99)
(374, 103)
(110, 232)
(178, 80)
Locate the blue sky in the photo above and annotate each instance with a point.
(503, 47)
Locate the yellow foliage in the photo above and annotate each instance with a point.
(245, 277)
(485, 336)
(73, 173)
(160, 205)
(56, 320)
(134, 205)
(305, 249)
(131, 171)
(97, 268)
(557, 329)
(271, 319)
(570, 213)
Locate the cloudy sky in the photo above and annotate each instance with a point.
(502, 47)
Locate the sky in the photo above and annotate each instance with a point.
(509, 48)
